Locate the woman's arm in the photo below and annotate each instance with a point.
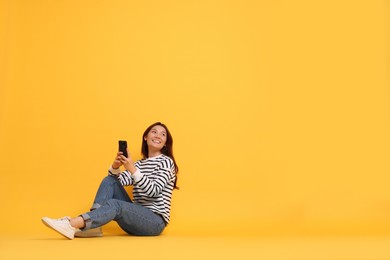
(124, 177)
(153, 187)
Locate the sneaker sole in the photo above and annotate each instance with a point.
(44, 221)
(77, 234)
(94, 232)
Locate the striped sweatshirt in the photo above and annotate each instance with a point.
(153, 183)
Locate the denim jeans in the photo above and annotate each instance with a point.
(113, 203)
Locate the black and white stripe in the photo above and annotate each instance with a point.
(153, 183)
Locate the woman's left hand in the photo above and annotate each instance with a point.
(128, 162)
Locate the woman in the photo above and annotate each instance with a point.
(153, 179)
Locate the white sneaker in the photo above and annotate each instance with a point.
(61, 225)
(93, 232)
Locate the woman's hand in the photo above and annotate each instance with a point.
(117, 162)
(127, 162)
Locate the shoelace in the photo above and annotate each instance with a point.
(64, 219)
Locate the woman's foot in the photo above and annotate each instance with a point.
(61, 225)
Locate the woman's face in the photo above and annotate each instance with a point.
(156, 138)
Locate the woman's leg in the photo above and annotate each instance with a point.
(132, 218)
(110, 188)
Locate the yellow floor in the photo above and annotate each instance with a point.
(170, 246)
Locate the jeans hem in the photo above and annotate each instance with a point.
(87, 221)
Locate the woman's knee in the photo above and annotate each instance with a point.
(110, 179)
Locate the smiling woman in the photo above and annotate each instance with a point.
(156, 140)
(153, 178)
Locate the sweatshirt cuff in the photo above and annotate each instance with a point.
(137, 176)
(114, 171)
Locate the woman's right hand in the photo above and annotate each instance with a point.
(117, 163)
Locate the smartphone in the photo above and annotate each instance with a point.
(123, 147)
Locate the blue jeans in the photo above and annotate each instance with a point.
(113, 203)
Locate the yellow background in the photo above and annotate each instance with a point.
(279, 110)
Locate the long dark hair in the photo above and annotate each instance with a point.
(167, 149)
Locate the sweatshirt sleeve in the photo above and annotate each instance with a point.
(153, 187)
(124, 177)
